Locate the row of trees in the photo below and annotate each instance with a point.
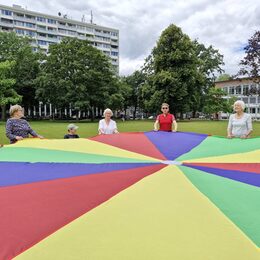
(74, 74)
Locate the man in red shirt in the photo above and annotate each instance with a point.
(165, 120)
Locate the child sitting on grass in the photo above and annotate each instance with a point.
(72, 129)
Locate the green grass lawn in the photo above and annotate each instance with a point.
(86, 129)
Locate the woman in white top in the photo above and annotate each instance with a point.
(240, 123)
(107, 125)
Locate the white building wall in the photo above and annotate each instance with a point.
(45, 30)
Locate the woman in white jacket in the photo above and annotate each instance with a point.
(240, 123)
(107, 125)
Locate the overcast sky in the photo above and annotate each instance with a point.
(225, 24)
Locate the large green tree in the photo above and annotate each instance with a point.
(216, 102)
(121, 98)
(209, 62)
(250, 64)
(179, 71)
(76, 74)
(7, 93)
(26, 66)
(135, 81)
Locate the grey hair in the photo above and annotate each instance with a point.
(14, 109)
(241, 103)
(107, 110)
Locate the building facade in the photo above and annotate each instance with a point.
(243, 89)
(44, 30)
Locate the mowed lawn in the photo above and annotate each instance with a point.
(87, 129)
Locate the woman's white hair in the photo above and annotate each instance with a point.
(108, 110)
(13, 109)
(241, 103)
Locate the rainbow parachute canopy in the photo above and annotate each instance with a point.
(153, 195)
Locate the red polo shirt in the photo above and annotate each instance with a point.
(165, 122)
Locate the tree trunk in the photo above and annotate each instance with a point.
(193, 114)
(3, 117)
(92, 114)
(134, 114)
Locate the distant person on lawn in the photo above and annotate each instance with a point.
(165, 120)
(18, 128)
(72, 132)
(107, 125)
(240, 123)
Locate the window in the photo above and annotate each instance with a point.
(245, 90)
(52, 29)
(231, 90)
(51, 21)
(81, 27)
(62, 31)
(19, 23)
(19, 15)
(114, 33)
(252, 100)
(113, 53)
(30, 25)
(225, 89)
(41, 27)
(7, 12)
(72, 33)
(52, 36)
(30, 33)
(19, 31)
(238, 90)
(41, 19)
(72, 25)
(42, 42)
(245, 99)
(30, 17)
(98, 44)
(89, 29)
(6, 21)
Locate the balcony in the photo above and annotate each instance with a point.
(81, 37)
(6, 24)
(41, 30)
(54, 40)
(102, 40)
(102, 34)
(63, 26)
(24, 19)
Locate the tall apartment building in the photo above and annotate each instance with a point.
(243, 89)
(44, 30)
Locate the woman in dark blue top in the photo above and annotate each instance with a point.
(16, 127)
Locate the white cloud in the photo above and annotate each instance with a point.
(225, 24)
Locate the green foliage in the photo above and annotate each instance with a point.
(120, 99)
(250, 65)
(215, 102)
(26, 67)
(7, 93)
(76, 74)
(224, 77)
(179, 71)
(135, 83)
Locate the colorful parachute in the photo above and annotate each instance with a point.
(131, 196)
